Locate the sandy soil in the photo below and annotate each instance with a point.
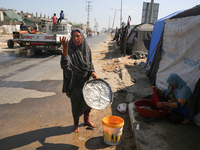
(122, 74)
(110, 64)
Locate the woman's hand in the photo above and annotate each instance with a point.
(170, 105)
(160, 104)
(64, 43)
(93, 74)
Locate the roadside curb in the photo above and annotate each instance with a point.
(133, 121)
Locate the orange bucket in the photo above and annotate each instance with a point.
(112, 129)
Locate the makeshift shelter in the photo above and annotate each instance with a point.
(12, 16)
(139, 38)
(177, 49)
(156, 36)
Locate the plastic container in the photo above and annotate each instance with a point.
(151, 113)
(112, 129)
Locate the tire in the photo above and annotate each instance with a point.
(10, 43)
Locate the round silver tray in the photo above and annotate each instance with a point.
(97, 94)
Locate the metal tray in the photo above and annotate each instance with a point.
(97, 94)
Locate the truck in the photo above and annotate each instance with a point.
(42, 41)
(89, 32)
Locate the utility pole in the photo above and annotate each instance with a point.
(109, 23)
(121, 15)
(151, 12)
(114, 18)
(88, 9)
(95, 25)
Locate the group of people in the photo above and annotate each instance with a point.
(35, 26)
(121, 36)
(24, 27)
(76, 62)
(56, 21)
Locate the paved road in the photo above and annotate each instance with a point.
(34, 113)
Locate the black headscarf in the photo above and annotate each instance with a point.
(80, 55)
(77, 65)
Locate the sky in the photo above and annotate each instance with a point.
(102, 11)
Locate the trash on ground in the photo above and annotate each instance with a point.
(137, 127)
(122, 107)
(121, 74)
(81, 139)
(138, 55)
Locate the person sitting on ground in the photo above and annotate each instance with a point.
(23, 26)
(61, 16)
(76, 62)
(178, 95)
(54, 18)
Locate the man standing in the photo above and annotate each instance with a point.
(54, 18)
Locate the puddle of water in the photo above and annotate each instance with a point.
(11, 54)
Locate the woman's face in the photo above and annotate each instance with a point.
(77, 39)
(173, 87)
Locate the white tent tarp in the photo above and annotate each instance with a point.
(181, 51)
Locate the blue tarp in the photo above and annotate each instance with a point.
(156, 35)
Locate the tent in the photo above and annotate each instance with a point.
(139, 38)
(176, 50)
(156, 35)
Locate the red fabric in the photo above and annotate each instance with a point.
(54, 19)
(155, 99)
(129, 24)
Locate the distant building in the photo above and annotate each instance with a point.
(80, 26)
(9, 17)
(12, 18)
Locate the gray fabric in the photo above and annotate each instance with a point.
(182, 91)
(77, 67)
